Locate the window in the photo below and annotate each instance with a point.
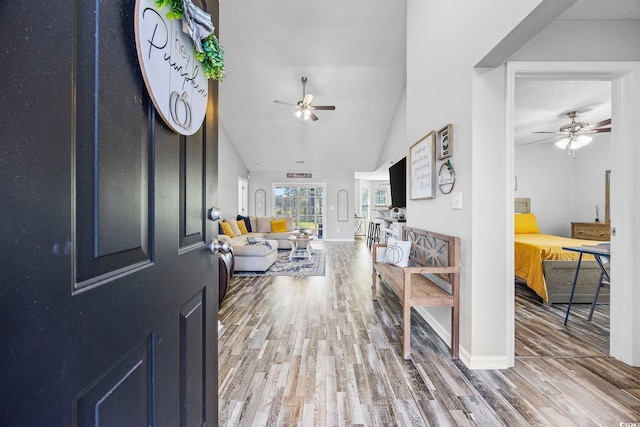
(303, 203)
(381, 198)
(364, 205)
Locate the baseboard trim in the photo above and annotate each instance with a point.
(470, 361)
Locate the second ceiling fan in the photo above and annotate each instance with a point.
(575, 134)
(304, 109)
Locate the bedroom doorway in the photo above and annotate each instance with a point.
(623, 326)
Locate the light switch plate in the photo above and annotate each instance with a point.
(456, 201)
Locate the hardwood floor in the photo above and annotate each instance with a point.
(317, 351)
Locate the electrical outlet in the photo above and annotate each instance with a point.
(456, 201)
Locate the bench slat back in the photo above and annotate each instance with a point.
(432, 249)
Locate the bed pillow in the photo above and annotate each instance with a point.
(397, 252)
(242, 226)
(525, 224)
(278, 225)
(226, 229)
(247, 222)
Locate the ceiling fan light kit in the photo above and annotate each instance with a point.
(304, 108)
(575, 134)
(574, 142)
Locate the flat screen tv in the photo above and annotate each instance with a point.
(398, 183)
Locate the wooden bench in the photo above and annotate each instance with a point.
(431, 279)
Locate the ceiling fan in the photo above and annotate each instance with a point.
(304, 109)
(575, 134)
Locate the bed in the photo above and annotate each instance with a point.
(543, 266)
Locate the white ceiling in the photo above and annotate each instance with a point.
(354, 55)
(541, 106)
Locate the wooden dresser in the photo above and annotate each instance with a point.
(591, 231)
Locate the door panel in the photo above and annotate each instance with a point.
(192, 189)
(192, 361)
(112, 147)
(108, 303)
(123, 391)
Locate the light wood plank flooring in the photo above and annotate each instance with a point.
(316, 351)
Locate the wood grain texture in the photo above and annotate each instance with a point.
(316, 351)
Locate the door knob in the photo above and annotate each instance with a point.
(214, 214)
(217, 246)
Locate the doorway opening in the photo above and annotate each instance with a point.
(243, 196)
(304, 203)
(624, 103)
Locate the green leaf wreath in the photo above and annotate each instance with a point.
(212, 58)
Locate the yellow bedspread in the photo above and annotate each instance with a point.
(532, 249)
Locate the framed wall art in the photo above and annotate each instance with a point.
(422, 168)
(445, 142)
(261, 202)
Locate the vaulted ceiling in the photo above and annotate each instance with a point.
(354, 55)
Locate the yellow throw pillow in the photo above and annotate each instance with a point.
(226, 229)
(525, 224)
(242, 226)
(278, 225)
(234, 227)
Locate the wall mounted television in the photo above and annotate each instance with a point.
(398, 183)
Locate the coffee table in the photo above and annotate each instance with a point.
(300, 246)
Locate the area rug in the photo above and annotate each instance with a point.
(314, 266)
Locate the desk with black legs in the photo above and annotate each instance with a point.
(602, 254)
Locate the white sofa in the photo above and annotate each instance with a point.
(257, 257)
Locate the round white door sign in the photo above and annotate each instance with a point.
(174, 77)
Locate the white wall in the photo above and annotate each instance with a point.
(440, 79)
(584, 40)
(443, 87)
(230, 167)
(333, 230)
(589, 188)
(563, 189)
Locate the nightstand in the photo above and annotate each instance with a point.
(591, 231)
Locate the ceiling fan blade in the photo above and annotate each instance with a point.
(606, 122)
(313, 116)
(551, 138)
(285, 103)
(307, 99)
(601, 130)
(322, 107)
(542, 131)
